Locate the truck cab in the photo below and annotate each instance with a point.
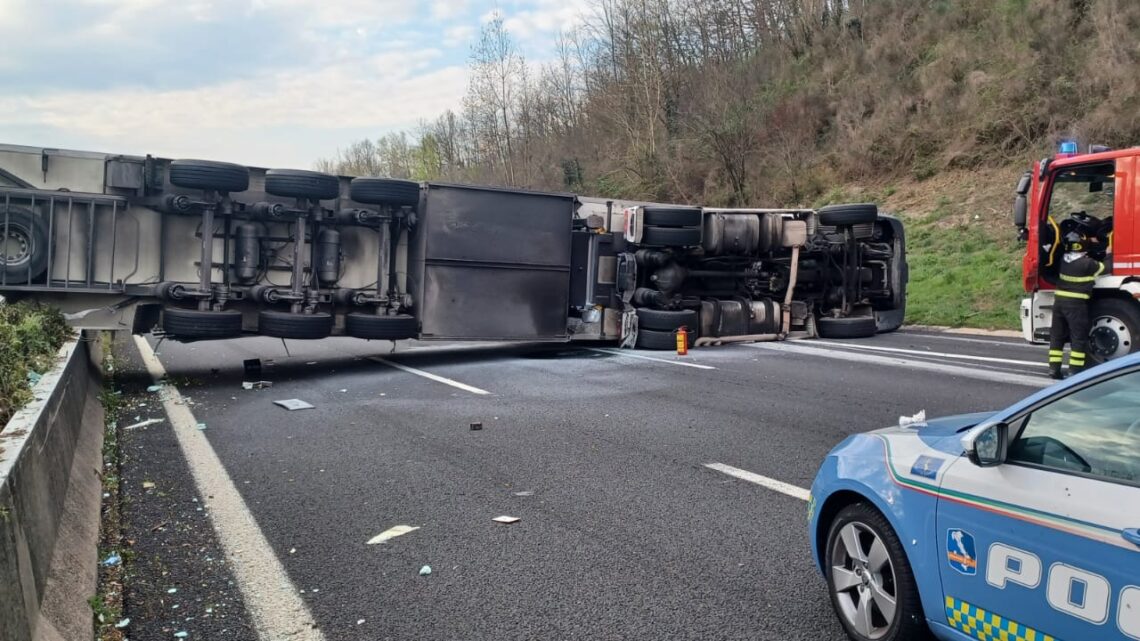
(1094, 194)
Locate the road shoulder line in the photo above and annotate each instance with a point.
(431, 377)
(775, 485)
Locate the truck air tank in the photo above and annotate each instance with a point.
(247, 252)
(328, 256)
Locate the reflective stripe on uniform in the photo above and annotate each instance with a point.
(1056, 355)
(1076, 359)
(1081, 279)
(1064, 294)
(1056, 241)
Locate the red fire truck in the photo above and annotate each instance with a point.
(1096, 194)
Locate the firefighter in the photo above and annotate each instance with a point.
(1078, 273)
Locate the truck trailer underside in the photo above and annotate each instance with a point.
(199, 250)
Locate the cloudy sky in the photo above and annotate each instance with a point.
(263, 82)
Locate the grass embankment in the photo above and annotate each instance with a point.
(30, 338)
(965, 260)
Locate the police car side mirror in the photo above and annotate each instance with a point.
(986, 444)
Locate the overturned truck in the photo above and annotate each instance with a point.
(200, 250)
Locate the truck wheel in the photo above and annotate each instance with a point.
(657, 339)
(1115, 329)
(23, 245)
(289, 325)
(671, 236)
(673, 216)
(852, 327)
(667, 320)
(197, 324)
(208, 175)
(298, 183)
(869, 578)
(373, 327)
(385, 191)
(852, 214)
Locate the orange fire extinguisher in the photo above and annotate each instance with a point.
(682, 340)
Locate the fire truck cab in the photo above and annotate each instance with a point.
(1096, 194)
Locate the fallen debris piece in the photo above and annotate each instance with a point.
(113, 559)
(201, 427)
(476, 427)
(293, 404)
(507, 520)
(154, 388)
(172, 590)
(123, 623)
(149, 421)
(256, 384)
(148, 485)
(917, 419)
(359, 621)
(34, 378)
(181, 635)
(425, 570)
(524, 493)
(392, 533)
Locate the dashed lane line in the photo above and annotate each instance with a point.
(628, 354)
(274, 605)
(948, 355)
(1011, 378)
(793, 491)
(431, 377)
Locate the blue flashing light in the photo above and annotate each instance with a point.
(1068, 147)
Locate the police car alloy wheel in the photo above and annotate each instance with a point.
(870, 581)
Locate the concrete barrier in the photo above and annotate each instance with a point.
(50, 490)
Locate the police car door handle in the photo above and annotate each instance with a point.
(1132, 535)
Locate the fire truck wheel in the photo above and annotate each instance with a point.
(196, 324)
(289, 325)
(385, 191)
(667, 320)
(852, 327)
(23, 245)
(1115, 329)
(208, 175)
(387, 328)
(671, 236)
(298, 183)
(673, 216)
(852, 214)
(656, 339)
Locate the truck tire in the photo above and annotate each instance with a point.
(196, 324)
(373, 327)
(1115, 329)
(298, 183)
(385, 191)
(673, 216)
(667, 321)
(656, 339)
(852, 327)
(289, 325)
(671, 236)
(23, 245)
(852, 214)
(208, 175)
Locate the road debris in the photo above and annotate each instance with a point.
(148, 485)
(201, 427)
(113, 559)
(917, 419)
(181, 635)
(172, 590)
(360, 622)
(149, 421)
(476, 427)
(123, 623)
(425, 570)
(256, 384)
(524, 493)
(293, 404)
(154, 388)
(252, 367)
(392, 533)
(506, 520)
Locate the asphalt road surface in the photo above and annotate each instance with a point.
(624, 531)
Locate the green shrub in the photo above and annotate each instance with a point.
(30, 337)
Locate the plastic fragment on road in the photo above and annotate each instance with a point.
(524, 493)
(293, 404)
(154, 388)
(34, 377)
(425, 570)
(392, 533)
(256, 384)
(201, 427)
(172, 590)
(476, 426)
(148, 485)
(113, 559)
(149, 421)
(181, 635)
(123, 623)
(506, 520)
(915, 420)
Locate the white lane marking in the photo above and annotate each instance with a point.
(793, 491)
(938, 368)
(919, 352)
(276, 609)
(428, 375)
(392, 533)
(982, 341)
(626, 353)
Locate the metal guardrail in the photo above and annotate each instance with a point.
(59, 208)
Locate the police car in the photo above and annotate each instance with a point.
(1019, 525)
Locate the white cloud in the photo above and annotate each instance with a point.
(458, 35)
(547, 18)
(448, 9)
